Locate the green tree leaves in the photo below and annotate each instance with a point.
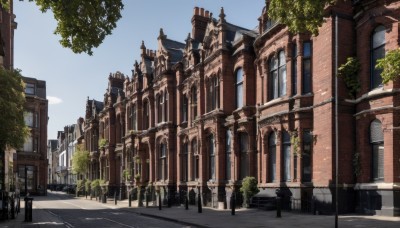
(13, 130)
(390, 66)
(80, 161)
(83, 25)
(299, 15)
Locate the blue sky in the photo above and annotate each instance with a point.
(71, 78)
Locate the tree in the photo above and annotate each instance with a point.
(80, 161)
(300, 15)
(13, 130)
(82, 25)
(390, 66)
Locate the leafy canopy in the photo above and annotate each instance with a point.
(80, 161)
(13, 130)
(299, 15)
(82, 24)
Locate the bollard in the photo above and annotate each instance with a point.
(278, 207)
(186, 203)
(104, 198)
(130, 199)
(159, 201)
(233, 205)
(115, 198)
(28, 209)
(147, 198)
(199, 208)
(12, 207)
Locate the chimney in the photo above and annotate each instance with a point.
(199, 23)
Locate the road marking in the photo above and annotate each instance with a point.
(121, 224)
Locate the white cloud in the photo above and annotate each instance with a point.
(54, 100)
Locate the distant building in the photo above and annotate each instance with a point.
(32, 163)
(52, 157)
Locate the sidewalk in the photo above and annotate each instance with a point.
(254, 217)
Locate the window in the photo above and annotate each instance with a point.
(211, 153)
(184, 162)
(244, 157)
(271, 157)
(228, 145)
(28, 116)
(195, 170)
(376, 140)
(133, 117)
(294, 69)
(160, 108)
(28, 145)
(306, 156)
(30, 88)
(239, 88)
(184, 108)
(213, 94)
(165, 117)
(163, 163)
(277, 70)
(146, 116)
(194, 102)
(307, 67)
(377, 52)
(286, 155)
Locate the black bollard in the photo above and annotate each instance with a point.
(130, 200)
(278, 207)
(115, 198)
(159, 201)
(233, 205)
(186, 203)
(147, 198)
(199, 209)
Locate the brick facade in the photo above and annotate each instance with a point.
(230, 102)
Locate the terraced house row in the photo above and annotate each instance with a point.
(229, 102)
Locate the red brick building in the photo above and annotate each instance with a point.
(230, 102)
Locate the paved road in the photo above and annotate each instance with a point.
(61, 210)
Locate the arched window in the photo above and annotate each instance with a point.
(193, 96)
(146, 115)
(277, 70)
(239, 88)
(377, 144)
(160, 108)
(211, 154)
(244, 156)
(184, 108)
(163, 162)
(271, 157)
(307, 71)
(195, 156)
(133, 117)
(377, 52)
(228, 145)
(184, 162)
(286, 155)
(212, 94)
(166, 97)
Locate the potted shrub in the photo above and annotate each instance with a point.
(249, 189)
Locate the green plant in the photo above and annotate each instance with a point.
(137, 177)
(137, 160)
(295, 141)
(80, 184)
(249, 189)
(95, 186)
(349, 73)
(103, 142)
(126, 174)
(87, 185)
(390, 66)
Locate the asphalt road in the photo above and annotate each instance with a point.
(75, 212)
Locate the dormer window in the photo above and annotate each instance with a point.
(30, 88)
